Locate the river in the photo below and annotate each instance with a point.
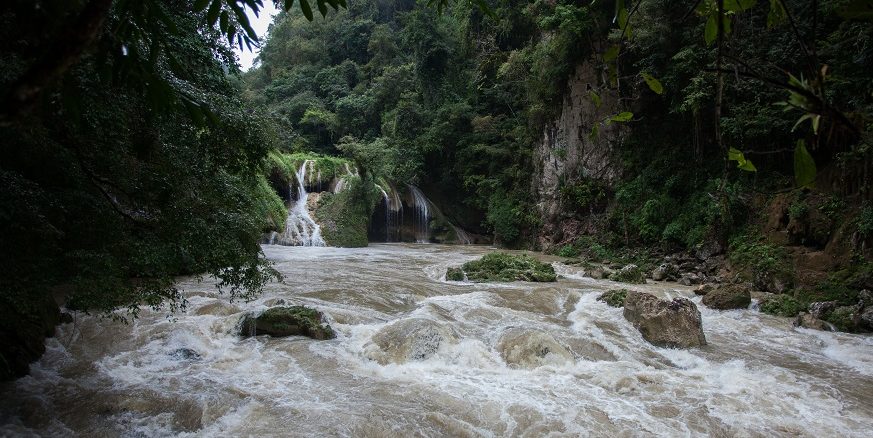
(515, 359)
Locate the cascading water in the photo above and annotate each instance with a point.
(416, 355)
(421, 215)
(463, 237)
(393, 214)
(300, 228)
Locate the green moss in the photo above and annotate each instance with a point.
(270, 206)
(614, 298)
(508, 267)
(629, 274)
(345, 216)
(843, 318)
(761, 262)
(455, 274)
(288, 321)
(782, 305)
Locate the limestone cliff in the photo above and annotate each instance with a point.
(569, 151)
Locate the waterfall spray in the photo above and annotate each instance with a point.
(300, 228)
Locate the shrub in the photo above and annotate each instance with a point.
(782, 305)
(614, 298)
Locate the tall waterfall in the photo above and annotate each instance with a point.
(393, 214)
(421, 215)
(300, 228)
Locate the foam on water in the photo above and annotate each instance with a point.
(195, 377)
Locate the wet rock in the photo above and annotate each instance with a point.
(866, 318)
(689, 279)
(665, 272)
(821, 309)
(413, 339)
(674, 324)
(629, 274)
(708, 249)
(845, 318)
(65, 318)
(806, 320)
(597, 272)
(454, 274)
(186, 354)
(704, 289)
(531, 349)
(614, 298)
(728, 297)
(287, 321)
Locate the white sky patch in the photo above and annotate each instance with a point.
(260, 25)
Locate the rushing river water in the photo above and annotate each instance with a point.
(577, 368)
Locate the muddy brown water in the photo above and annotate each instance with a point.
(418, 356)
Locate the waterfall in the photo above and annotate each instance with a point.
(300, 228)
(393, 214)
(421, 219)
(463, 237)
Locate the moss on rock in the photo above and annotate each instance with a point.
(287, 321)
(629, 274)
(782, 305)
(614, 298)
(499, 266)
(345, 216)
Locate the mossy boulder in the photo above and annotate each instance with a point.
(845, 318)
(629, 274)
(500, 266)
(728, 297)
(454, 274)
(782, 305)
(614, 298)
(287, 321)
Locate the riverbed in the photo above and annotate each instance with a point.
(190, 374)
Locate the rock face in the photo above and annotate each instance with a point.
(407, 340)
(674, 324)
(287, 321)
(22, 336)
(528, 349)
(728, 297)
(567, 151)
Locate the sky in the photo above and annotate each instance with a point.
(260, 24)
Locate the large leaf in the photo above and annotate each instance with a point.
(804, 166)
(595, 98)
(621, 117)
(654, 84)
(710, 32)
(776, 15)
(742, 163)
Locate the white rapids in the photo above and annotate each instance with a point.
(517, 359)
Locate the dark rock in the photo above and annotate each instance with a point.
(821, 309)
(708, 249)
(806, 320)
(845, 318)
(866, 318)
(287, 321)
(689, 279)
(614, 298)
(665, 272)
(728, 297)
(674, 324)
(23, 332)
(66, 318)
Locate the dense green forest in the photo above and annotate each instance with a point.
(135, 150)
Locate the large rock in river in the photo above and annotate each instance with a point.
(674, 324)
(287, 321)
(407, 340)
(531, 349)
(728, 297)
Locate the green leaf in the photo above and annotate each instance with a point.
(307, 11)
(595, 132)
(611, 53)
(322, 7)
(804, 166)
(735, 155)
(621, 14)
(710, 32)
(742, 163)
(212, 13)
(621, 117)
(595, 98)
(288, 5)
(858, 10)
(654, 84)
(776, 15)
(200, 5)
(748, 166)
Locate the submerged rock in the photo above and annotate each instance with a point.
(728, 297)
(629, 274)
(614, 298)
(287, 321)
(674, 324)
(806, 320)
(186, 354)
(407, 340)
(531, 349)
(499, 266)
